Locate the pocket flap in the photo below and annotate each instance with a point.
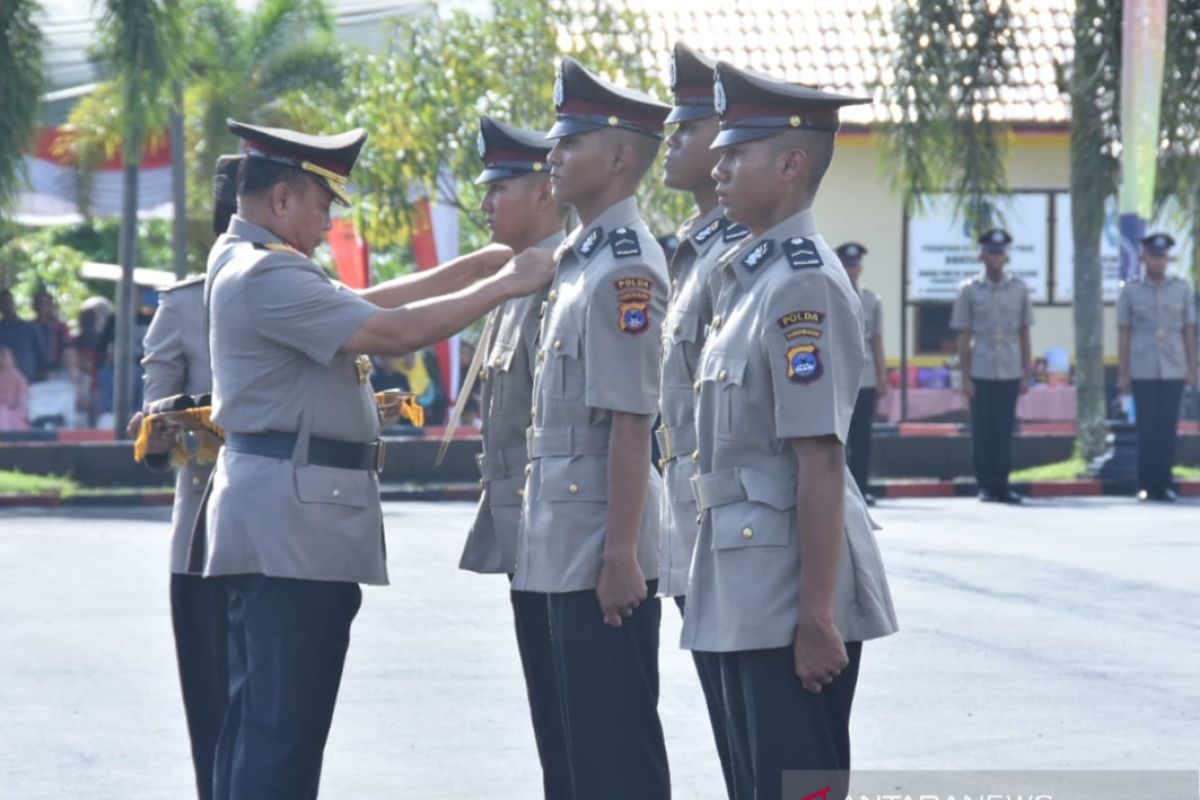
(776, 491)
(563, 345)
(506, 491)
(723, 368)
(685, 327)
(576, 479)
(740, 525)
(501, 356)
(342, 487)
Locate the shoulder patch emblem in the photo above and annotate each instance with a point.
(755, 257)
(797, 317)
(804, 363)
(802, 253)
(624, 243)
(704, 234)
(736, 232)
(588, 245)
(633, 300)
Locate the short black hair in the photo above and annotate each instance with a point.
(257, 175)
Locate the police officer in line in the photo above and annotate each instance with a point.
(992, 314)
(874, 378)
(293, 516)
(521, 212)
(702, 239)
(589, 526)
(176, 362)
(1156, 319)
(787, 579)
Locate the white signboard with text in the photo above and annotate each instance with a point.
(943, 251)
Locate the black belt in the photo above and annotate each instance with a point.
(321, 451)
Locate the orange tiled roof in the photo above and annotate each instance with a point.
(833, 44)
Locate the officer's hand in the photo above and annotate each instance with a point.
(135, 425)
(1124, 384)
(529, 271)
(491, 258)
(621, 589)
(819, 654)
(968, 387)
(163, 434)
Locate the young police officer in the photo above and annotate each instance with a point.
(521, 212)
(787, 579)
(589, 533)
(702, 239)
(293, 519)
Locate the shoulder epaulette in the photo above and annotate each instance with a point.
(802, 253)
(195, 280)
(736, 232)
(624, 243)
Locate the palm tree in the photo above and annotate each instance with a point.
(20, 91)
(140, 43)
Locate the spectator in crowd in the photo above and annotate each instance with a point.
(14, 394)
(22, 339)
(56, 336)
(384, 376)
(425, 381)
(93, 353)
(72, 372)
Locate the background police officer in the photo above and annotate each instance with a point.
(1156, 318)
(589, 527)
(874, 378)
(787, 580)
(992, 314)
(293, 521)
(176, 362)
(521, 212)
(702, 238)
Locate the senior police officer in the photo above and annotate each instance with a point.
(703, 237)
(176, 362)
(293, 517)
(874, 378)
(589, 532)
(992, 314)
(521, 212)
(1156, 319)
(787, 579)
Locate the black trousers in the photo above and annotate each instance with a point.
(199, 618)
(1156, 406)
(708, 668)
(858, 442)
(993, 412)
(288, 641)
(609, 682)
(531, 617)
(776, 725)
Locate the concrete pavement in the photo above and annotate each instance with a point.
(1063, 634)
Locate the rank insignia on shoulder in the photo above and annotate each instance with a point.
(802, 253)
(624, 243)
(804, 363)
(588, 245)
(704, 234)
(276, 247)
(736, 232)
(633, 296)
(755, 257)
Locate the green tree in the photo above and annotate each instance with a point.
(421, 103)
(20, 90)
(141, 43)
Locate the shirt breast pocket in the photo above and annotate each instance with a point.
(564, 368)
(332, 486)
(764, 519)
(727, 373)
(681, 332)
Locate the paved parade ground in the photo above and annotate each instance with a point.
(1064, 634)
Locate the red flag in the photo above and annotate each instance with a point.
(350, 254)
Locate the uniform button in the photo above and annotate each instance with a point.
(558, 344)
(498, 361)
(696, 386)
(695, 455)
(481, 483)
(529, 469)
(675, 283)
(520, 492)
(195, 480)
(541, 355)
(747, 533)
(553, 295)
(533, 411)
(483, 373)
(678, 328)
(716, 323)
(337, 492)
(722, 375)
(700, 518)
(573, 488)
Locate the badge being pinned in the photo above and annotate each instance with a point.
(633, 296)
(804, 363)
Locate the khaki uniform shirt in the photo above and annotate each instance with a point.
(782, 361)
(994, 312)
(872, 327)
(176, 362)
(277, 323)
(505, 398)
(599, 354)
(702, 239)
(1156, 314)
